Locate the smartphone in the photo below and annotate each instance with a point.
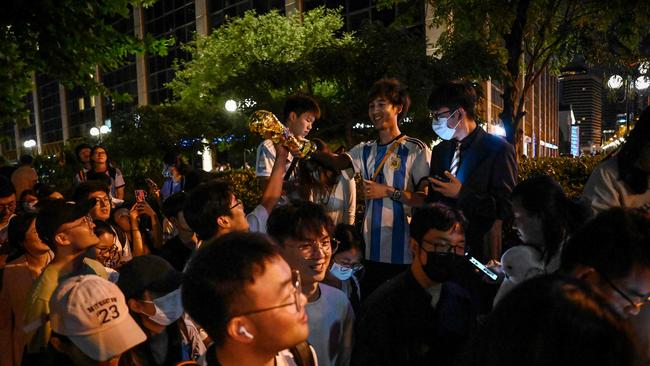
(482, 267)
(441, 178)
(140, 195)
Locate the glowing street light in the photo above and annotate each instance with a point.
(231, 105)
(94, 131)
(29, 143)
(642, 83)
(615, 82)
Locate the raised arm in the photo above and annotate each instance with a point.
(273, 188)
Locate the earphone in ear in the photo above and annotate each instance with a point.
(243, 331)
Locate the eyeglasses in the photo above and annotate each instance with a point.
(437, 116)
(644, 298)
(297, 287)
(237, 203)
(308, 248)
(8, 206)
(445, 248)
(84, 220)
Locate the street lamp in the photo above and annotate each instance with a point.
(231, 105)
(29, 144)
(99, 131)
(640, 84)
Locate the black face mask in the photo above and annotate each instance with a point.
(442, 267)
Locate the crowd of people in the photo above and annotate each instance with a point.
(186, 275)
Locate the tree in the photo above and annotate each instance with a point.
(264, 58)
(524, 37)
(64, 40)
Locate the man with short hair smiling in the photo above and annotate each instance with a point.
(246, 297)
(212, 210)
(303, 230)
(423, 316)
(68, 230)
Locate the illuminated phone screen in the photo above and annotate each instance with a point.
(482, 268)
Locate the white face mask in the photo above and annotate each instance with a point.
(169, 308)
(340, 272)
(440, 127)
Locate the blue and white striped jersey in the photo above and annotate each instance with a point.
(385, 227)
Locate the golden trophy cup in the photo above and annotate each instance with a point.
(267, 125)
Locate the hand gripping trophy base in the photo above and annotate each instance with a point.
(267, 125)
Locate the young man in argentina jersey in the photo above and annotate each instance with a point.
(391, 167)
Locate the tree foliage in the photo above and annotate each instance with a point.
(517, 39)
(264, 58)
(64, 40)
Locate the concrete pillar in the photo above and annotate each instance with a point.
(37, 115)
(488, 101)
(202, 17)
(19, 143)
(65, 116)
(100, 112)
(142, 74)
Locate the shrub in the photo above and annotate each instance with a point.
(571, 173)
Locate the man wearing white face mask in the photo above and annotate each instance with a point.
(471, 169)
(152, 290)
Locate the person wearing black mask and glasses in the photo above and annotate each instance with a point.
(422, 316)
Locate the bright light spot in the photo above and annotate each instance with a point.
(94, 131)
(104, 129)
(231, 105)
(644, 67)
(642, 83)
(249, 103)
(499, 131)
(615, 82)
(29, 143)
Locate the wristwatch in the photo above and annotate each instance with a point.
(397, 194)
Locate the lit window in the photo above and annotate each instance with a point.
(82, 104)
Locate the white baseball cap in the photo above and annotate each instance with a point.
(92, 312)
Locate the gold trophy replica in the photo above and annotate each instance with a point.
(267, 125)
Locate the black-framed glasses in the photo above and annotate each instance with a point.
(296, 283)
(308, 248)
(84, 220)
(237, 203)
(445, 248)
(437, 116)
(105, 201)
(644, 298)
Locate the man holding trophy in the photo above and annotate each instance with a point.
(300, 112)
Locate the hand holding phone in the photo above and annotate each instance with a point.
(481, 267)
(140, 195)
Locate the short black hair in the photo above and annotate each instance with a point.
(205, 204)
(296, 219)
(394, 91)
(6, 187)
(80, 147)
(613, 242)
(102, 227)
(435, 216)
(216, 276)
(348, 237)
(174, 204)
(299, 104)
(454, 94)
(26, 160)
(84, 190)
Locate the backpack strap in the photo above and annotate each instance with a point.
(302, 354)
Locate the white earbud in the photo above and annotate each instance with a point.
(243, 331)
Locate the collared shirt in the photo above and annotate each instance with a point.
(385, 227)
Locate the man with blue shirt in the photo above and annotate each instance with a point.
(391, 166)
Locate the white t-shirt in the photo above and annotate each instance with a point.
(285, 358)
(385, 227)
(331, 321)
(266, 159)
(604, 190)
(257, 220)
